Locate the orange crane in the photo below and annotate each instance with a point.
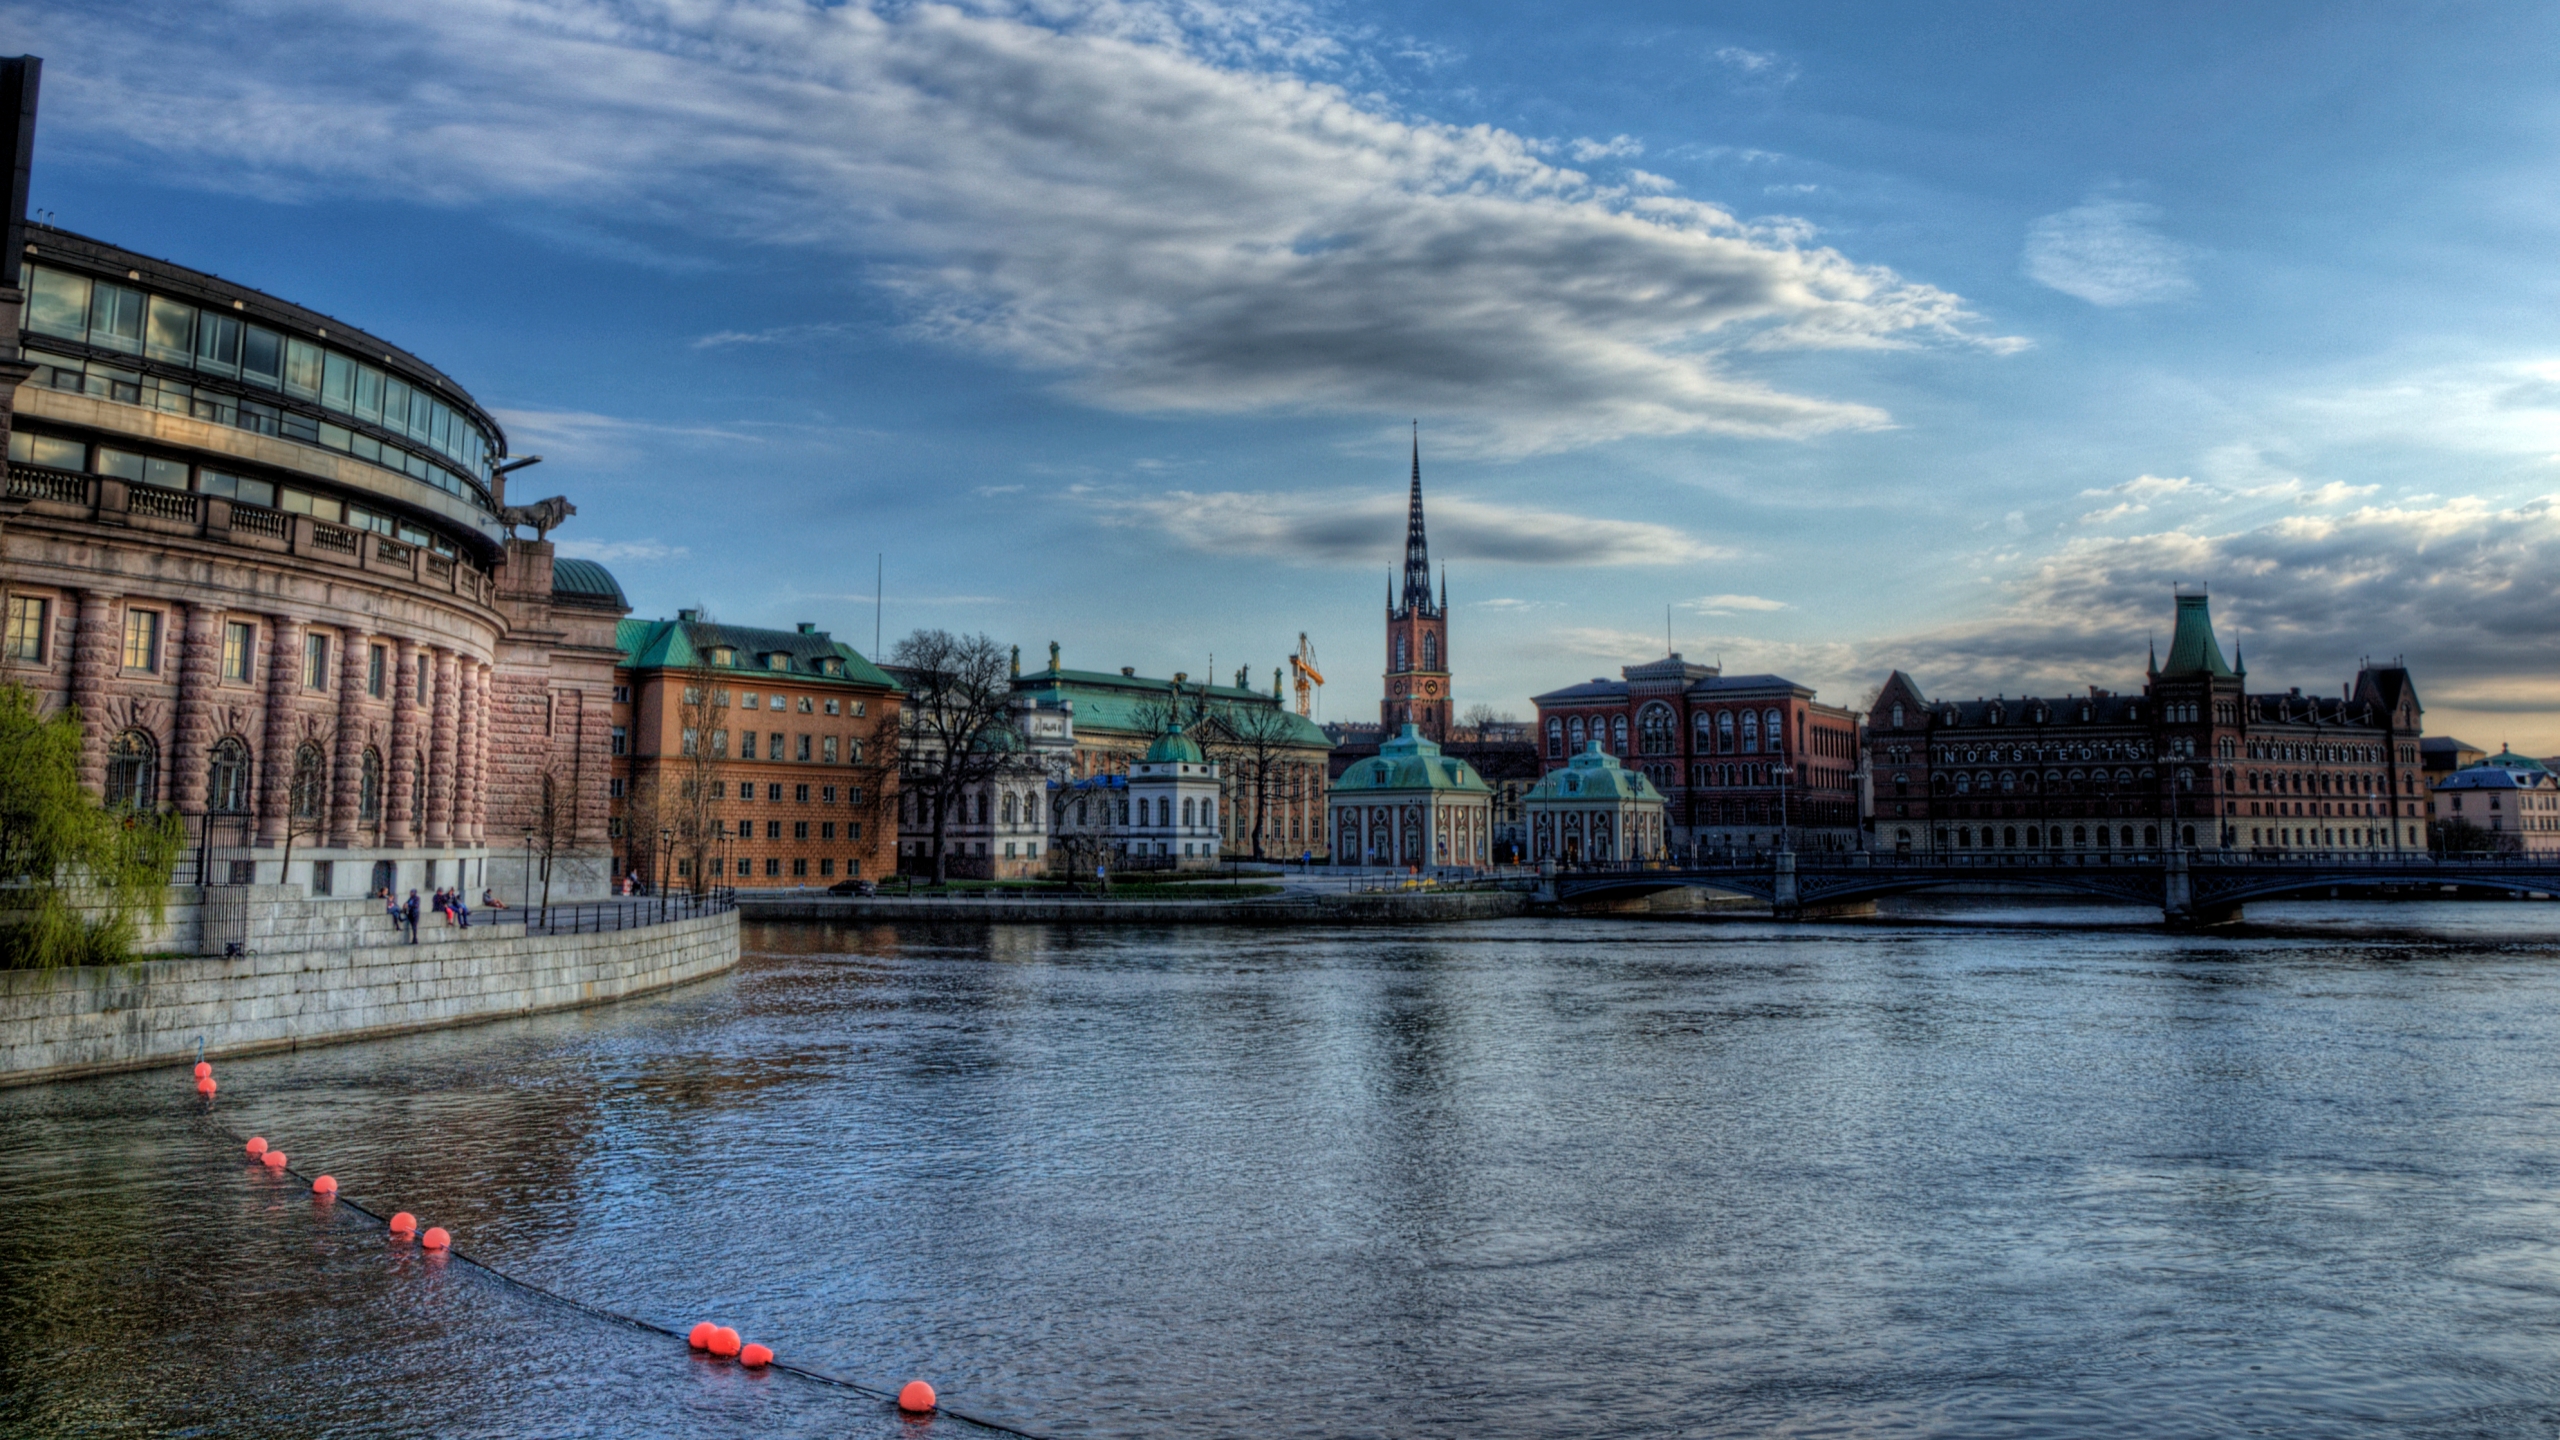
(1303, 666)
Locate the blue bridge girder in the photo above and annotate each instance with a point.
(2184, 885)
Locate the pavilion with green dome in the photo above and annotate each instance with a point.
(1411, 805)
(1594, 811)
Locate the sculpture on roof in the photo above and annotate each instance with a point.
(543, 515)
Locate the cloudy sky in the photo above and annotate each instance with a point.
(1825, 337)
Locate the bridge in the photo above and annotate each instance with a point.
(2190, 887)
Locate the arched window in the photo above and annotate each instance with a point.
(1902, 782)
(1187, 803)
(1777, 731)
(1576, 726)
(1008, 809)
(226, 790)
(1555, 738)
(1897, 715)
(1399, 652)
(310, 781)
(1724, 732)
(1750, 732)
(1430, 652)
(133, 770)
(1618, 734)
(369, 786)
(1209, 813)
(1659, 736)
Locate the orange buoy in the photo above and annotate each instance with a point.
(699, 1337)
(724, 1342)
(917, 1398)
(275, 1159)
(436, 1238)
(755, 1355)
(205, 1086)
(404, 1223)
(203, 1068)
(257, 1146)
(325, 1185)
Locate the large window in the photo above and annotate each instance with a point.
(133, 770)
(29, 617)
(142, 639)
(310, 782)
(226, 790)
(239, 648)
(1657, 733)
(315, 662)
(112, 316)
(369, 787)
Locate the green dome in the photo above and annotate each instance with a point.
(1595, 775)
(1173, 747)
(2508, 759)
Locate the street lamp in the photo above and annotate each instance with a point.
(1782, 771)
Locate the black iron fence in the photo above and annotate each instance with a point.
(595, 917)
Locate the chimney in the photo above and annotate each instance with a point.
(808, 627)
(689, 617)
(1129, 670)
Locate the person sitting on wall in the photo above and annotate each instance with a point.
(390, 906)
(461, 912)
(489, 900)
(411, 913)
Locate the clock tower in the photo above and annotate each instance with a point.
(1417, 690)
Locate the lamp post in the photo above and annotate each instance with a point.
(524, 896)
(666, 857)
(1782, 771)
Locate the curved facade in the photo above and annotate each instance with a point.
(259, 551)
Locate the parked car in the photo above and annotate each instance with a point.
(853, 887)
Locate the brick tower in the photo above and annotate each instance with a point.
(1417, 690)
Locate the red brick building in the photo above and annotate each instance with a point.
(1735, 756)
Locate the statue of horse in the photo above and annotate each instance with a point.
(543, 515)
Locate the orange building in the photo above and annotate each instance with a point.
(750, 758)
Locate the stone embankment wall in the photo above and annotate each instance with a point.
(1386, 908)
(325, 971)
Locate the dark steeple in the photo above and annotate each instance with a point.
(1417, 551)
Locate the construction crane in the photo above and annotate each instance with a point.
(1303, 666)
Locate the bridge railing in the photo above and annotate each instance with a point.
(1810, 861)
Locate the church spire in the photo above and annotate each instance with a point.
(1417, 550)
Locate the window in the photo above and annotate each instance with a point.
(1777, 731)
(1555, 738)
(1399, 653)
(615, 788)
(773, 749)
(377, 662)
(315, 662)
(622, 695)
(692, 742)
(1430, 652)
(860, 708)
(142, 640)
(227, 777)
(829, 752)
(771, 866)
(421, 691)
(1657, 735)
(621, 740)
(719, 789)
(804, 705)
(799, 829)
(831, 707)
(773, 829)
(776, 660)
(799, 867)
(746, 699)
(826, 829)
(773, 794)
(133, 770)
(27, 628)
(310, 793)
(803, 749)
(827, 795)
(1574, 731)
(719, 743)
(800, 793)
(746, 744)
(369, 787)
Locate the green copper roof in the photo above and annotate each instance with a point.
(1409, 762)
(1136, 705)
(587, 580)
(1173, 747)
(2508, 759)
(1594, 775)
(802, 654)
(2192, 651)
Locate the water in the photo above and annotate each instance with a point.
(1975, 1174)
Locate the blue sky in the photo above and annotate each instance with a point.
(1853, 335)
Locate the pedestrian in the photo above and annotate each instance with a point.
(461, 911)
(412, 913)
(391, 907)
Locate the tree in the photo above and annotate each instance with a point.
(306, 800)
(2458, 836)
(1256, 747)
(63, 853)
(959, 701)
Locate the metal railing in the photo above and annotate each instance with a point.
(596, 917)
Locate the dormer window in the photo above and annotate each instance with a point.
(722, 655)
(1897, 716)
(777, 660)
(832, 666)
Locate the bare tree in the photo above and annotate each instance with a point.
(959, 695)
(1084, 829)
(1255, 747)
(306, 796)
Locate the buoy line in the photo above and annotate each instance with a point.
(325, 1187)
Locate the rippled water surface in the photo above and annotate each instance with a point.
(1981, 1173)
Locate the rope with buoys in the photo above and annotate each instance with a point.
(916, 1397)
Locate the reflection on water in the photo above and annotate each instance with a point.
(1974, 1173)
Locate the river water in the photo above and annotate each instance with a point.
(1981, 1173)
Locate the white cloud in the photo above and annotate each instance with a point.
(582, 435)
(775, 335)
(2135, 496)
(1143, 200)
(2107, 253)
(1734, 604)
(610, 551)
(1347, 527)
(1622, 147)
(1755, 67)
(2467, 590)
